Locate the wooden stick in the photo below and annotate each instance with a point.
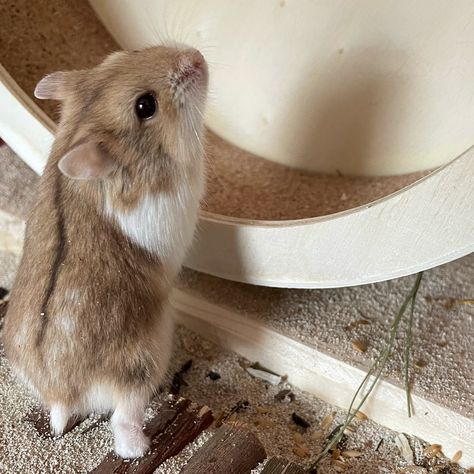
(185, 429)
(282, 466)
(233, 449)
(171, 430)
(40, 420)
(115, 464)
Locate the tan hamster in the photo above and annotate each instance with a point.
(89, 327)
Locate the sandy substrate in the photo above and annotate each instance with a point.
(17, 184)
(331, 320)
(244, 185)
(40, 37)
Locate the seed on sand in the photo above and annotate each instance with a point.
(317, 435)
(457, 456)
(297, 437)
(327, 421)
(361, 415)
(351, 453)
(301, 451)
(432, 450)
(339, 466)
(263, 422)
(359, 345)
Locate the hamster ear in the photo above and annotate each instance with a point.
(88, 160)
(52, 86)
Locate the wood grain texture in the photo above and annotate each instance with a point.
(40, 420)
(281, 466)
(232, 450)
(170, 431)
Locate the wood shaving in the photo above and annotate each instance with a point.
(263, 375)
(351, 453)
(301, 451)
(457, 456)
(405, 449)
(327, 421)
(263, 423)
(317, 435)
(297, 437)
(355, 324)
(336, 454)
(361, 416)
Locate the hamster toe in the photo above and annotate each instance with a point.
(130, 442)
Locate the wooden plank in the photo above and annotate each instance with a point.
(167, 414)
(281, 466)
(170, 431)
(233, 449)
(185, 429)
(40, 420)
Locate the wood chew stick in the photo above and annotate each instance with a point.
(40, 420)
(185, 429)
(232, 450)
(281, 466)
(167, 414)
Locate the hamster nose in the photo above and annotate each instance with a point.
(193, 59)
(198, 60)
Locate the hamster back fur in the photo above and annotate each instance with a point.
(88, 326)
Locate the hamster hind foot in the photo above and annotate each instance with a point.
(129, 439)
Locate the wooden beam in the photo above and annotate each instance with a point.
(41, 421)
(170, 431)
(233, 449)
(281, 466)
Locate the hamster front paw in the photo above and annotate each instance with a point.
(130, 441)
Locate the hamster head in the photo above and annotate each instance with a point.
(132, 115)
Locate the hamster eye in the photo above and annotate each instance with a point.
(145, 106)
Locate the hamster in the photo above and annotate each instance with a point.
(89, 328)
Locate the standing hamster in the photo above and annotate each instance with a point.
(88, 326)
